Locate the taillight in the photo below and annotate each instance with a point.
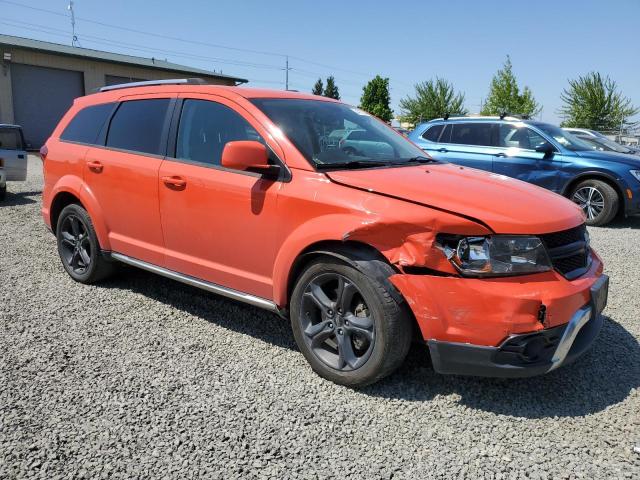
(1, 162)
(44, 151)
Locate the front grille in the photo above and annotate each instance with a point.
(569, 251)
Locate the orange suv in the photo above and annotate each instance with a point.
(243, 193)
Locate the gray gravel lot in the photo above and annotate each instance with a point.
(144, 377)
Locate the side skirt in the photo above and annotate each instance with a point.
(202, 284)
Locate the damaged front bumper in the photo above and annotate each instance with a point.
(515, 327)
(530, 354)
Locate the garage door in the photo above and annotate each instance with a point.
(41, 96)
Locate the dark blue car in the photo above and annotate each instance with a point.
(602, 183)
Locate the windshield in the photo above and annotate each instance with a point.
(564, 138)
(336, 135)
(609, 144)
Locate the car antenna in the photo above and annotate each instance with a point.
(502, 115)
(446, 116)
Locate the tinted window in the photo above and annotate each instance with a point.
(10, 139)
(432, 134)
(206, 127)
(472, 134)
(87, 124)
(519, 136)
(137, 126)
(445, 137)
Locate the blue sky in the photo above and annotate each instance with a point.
(462, 41)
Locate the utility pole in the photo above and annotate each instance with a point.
(74, 39)
(286, 77)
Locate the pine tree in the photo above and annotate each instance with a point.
(331, 89)
(505, 97)
(318, 87)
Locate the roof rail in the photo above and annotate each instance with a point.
(517, 116)
(149, 83)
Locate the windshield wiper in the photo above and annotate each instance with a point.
(351, 164)
(419, 159)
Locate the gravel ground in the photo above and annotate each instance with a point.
(144, 377)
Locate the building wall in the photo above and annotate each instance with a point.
(94, 73)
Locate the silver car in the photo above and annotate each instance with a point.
(13, 157)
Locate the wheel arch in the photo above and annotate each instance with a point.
(603, 177)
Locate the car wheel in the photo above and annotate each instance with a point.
(347, 325)
(598, 200)
(3, 192)
(78, 246)
(349, 151)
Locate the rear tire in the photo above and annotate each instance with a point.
(348, 326)
(3, 192)
(78, 246)
(598, 200)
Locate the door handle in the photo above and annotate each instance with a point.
(175, 182)
(443, 150)
(21, 156)
(501, 155)
(95, 166)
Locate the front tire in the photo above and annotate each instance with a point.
(598, 200)
(347, 325)
(78, 246)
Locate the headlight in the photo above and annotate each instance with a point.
(498, 255)
(635, 173)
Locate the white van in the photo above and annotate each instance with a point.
(13, 157)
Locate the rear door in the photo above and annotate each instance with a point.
(13, 157)
(517, 157)
(123, 175)
(219, 224)
(468, 143)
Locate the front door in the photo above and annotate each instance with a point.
(219, 224)
(517, 157)
(123, 177)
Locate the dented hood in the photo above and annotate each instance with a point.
(504, 204)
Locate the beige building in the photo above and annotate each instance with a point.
(39, 80)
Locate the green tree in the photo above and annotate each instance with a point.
(505, 97)
(318, 87)
(595, 102)
(433, 99)
(375, 98)
(331, 89)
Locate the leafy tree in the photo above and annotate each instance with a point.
(331, 89)
(433, 99)
(375, 98)
(318, 87)
(595, 102)
(505, 96)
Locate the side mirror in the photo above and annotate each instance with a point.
(545, 148)
(248, 155)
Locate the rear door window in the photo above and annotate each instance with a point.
(85, 127)
(433, 133)
(10, 139)
(137, 126)
(206, 127)
(480, 134)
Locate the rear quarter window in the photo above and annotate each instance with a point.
(85, 127)
(137, 126)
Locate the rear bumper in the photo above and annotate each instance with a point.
(529, 354)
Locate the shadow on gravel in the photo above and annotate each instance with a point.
(623, 223)
(20, 198)
(603, 377)
(224, 312)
